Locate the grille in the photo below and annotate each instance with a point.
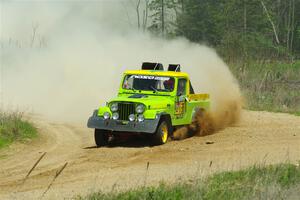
(125, 109)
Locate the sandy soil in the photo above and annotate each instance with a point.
(259, 138)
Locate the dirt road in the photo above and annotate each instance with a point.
(259, 138)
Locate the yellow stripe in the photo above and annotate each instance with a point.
(158, 73)
(197, 97)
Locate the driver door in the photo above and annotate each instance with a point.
(180, 104)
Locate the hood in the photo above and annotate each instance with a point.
(147, 100)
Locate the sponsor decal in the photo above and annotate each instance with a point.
(158, 78)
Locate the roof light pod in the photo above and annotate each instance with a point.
(174, 67)
(152, 66)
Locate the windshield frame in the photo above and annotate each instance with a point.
(149, 91)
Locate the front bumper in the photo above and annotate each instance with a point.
(147, 126)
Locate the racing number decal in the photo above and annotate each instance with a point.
(179, 108)
(181, 100)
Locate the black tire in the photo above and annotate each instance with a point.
(162, 133)
(101, 137)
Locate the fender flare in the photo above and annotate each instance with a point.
(167, 117)
(195, 110)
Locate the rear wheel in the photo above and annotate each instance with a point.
(101, 137)
(162, 133)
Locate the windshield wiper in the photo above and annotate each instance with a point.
(132, 89)
(153, 88)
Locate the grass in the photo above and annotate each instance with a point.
(269, 182)
(297, 113)
(13, 127)
(253, 182)
(271, 86)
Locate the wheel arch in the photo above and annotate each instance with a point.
(196, 110)
(165, 117)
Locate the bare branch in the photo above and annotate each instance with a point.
(269, 18)
(145, 19)
(34, 30)
(293, 24)
(162, 17)
(138, 13)
(126, 11)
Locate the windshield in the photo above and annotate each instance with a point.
(150, 83)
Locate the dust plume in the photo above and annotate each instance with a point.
(214, 78)
(226, 104)
(64, 59)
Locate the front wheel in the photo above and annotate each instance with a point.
(162, 133)
(101, 137)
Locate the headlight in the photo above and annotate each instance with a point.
(140, 108)
(106, 115)
(131, 117)
(115, 116)
(114, 107)
(140, 118)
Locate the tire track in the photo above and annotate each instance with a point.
(259, 138)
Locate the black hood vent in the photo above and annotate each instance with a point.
(138, 96)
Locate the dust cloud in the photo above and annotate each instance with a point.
(64, 59)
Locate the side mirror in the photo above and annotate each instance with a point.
(182, 98)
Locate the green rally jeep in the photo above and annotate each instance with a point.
(150, 101)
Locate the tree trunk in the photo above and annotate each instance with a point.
(293, 25)
(162, 18)
(289, 26)
(245, 17)
(138, 13)
(271, 22)
(174, 6)
(145, 15)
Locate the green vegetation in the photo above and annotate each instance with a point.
(253, 29)
(258, 39)
(271, 86)
(14, 128)
(270, 182)
(252, 183)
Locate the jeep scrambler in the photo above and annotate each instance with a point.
(150, 101)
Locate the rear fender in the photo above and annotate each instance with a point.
(195, 111)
